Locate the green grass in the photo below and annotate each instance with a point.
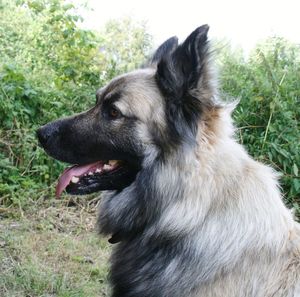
(52, 250)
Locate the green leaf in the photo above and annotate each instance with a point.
(296, 183)
(295, 169)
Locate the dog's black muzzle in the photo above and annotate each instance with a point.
(47, 133)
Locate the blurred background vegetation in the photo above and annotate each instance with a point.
(51, 67)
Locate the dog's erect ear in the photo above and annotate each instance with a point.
(164, 50)
(181, 71)
(184, 79)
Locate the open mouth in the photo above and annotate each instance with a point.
(97, 176)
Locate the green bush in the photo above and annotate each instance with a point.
(50, 67)
(268, 87)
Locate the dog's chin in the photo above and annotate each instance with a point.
(117, 179)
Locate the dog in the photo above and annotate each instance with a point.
(191, 212)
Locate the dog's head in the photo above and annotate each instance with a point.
(139, 118)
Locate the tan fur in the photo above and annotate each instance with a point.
(244, 199)
(231, 206)
(198, 217)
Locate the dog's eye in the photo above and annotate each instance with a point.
(113, 112)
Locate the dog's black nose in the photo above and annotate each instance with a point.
(45, 133)
(42, 135)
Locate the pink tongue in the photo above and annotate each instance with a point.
(75, 170)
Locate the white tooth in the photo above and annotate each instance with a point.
(98, 170)
(90, 173)
(74, 179)
(112, 162)
(106, 167)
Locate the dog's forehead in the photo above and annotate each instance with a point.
(140, 94)
(127, 82)
(134, 93)
(140, 84)
(136, 80)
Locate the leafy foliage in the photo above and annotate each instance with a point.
(268, 115)
(51, 67)
(126, 46)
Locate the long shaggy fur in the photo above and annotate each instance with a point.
(194, 215)
(202, 217)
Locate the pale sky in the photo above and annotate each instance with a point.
(243, 22)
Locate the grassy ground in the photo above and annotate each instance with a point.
(52, 249)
